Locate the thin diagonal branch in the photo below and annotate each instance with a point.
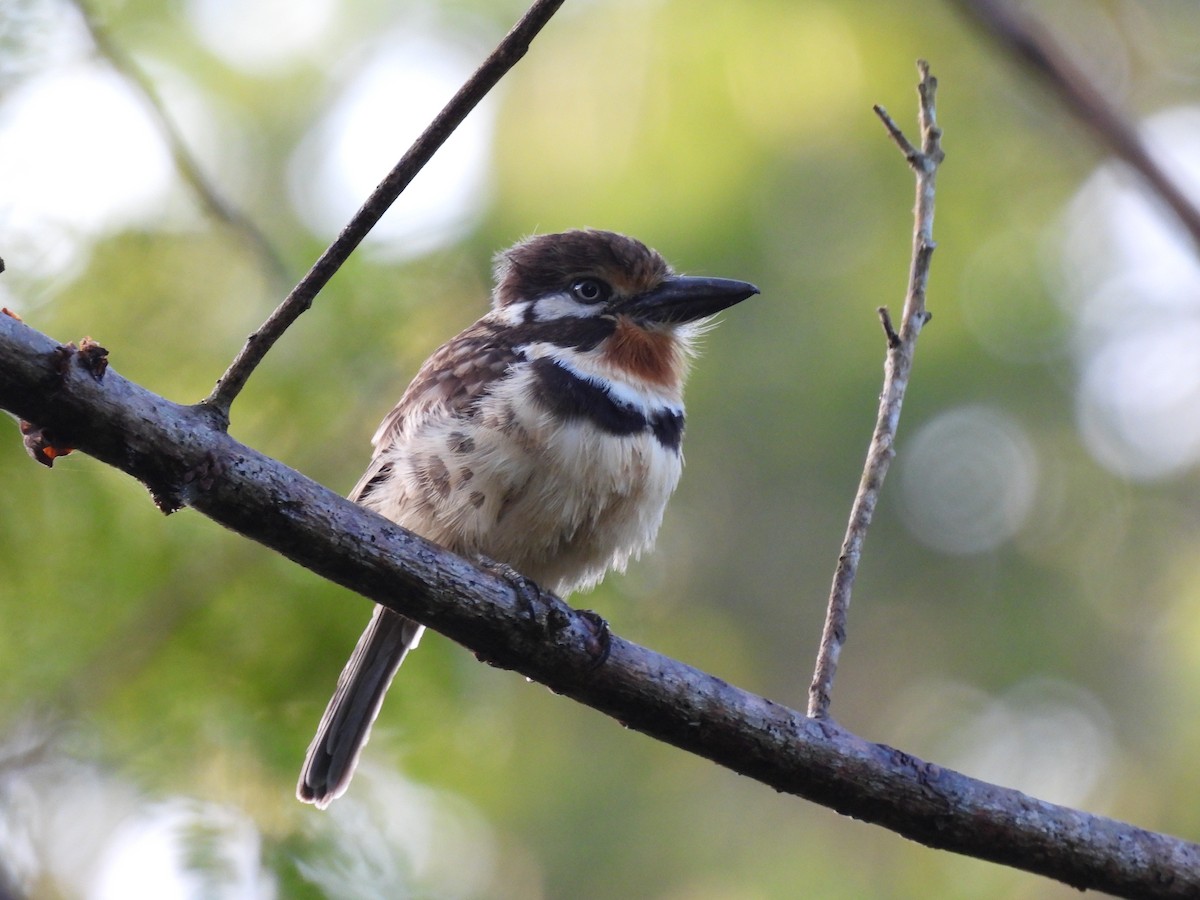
(186, 163)
(1033, 45)
(898, 365)
(506, 55)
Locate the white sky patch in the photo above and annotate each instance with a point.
(71, 828)
(1134, 289)
(80, 156)
(182, 849)
(39, 35)
(382, 109)
(1139, 399)
(261, 36)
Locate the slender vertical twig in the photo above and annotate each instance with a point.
(506, 55)
(901, 346)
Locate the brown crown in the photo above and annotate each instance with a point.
(550, 262)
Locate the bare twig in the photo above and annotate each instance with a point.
(911, 153)
(185, 162)
(506, 55)
(185, 457)
(1034, 46)
(898, 365)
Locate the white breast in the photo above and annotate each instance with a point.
(561, 502)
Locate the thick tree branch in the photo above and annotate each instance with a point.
(185, 457)
(507, 54)
(901, 347)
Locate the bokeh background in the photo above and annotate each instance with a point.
(1028, 610)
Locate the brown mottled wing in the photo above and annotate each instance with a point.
(447, 385)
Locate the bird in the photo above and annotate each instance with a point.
(546, 437)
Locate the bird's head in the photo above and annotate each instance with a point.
(600, 274)
(607, 305)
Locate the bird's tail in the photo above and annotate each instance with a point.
(346, 725)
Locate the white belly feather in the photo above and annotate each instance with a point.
(561, 502)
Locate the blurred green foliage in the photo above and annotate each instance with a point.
(177, 660)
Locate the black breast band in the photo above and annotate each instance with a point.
(568, 395)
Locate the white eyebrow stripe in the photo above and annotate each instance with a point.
(562, 305)
(512, 313)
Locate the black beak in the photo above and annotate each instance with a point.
(683, 298)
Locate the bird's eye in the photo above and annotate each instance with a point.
(590, 290)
